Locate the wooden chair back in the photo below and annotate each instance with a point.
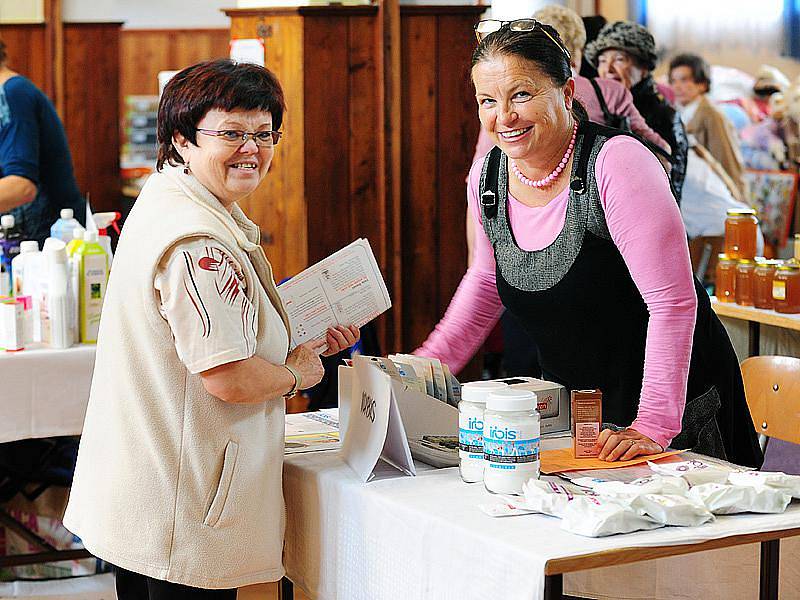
(772, 387)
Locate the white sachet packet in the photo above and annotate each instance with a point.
(548, 497)
(598, 516)
(724, 499)
(672, 509)
(544, 497)
(695, 472)
(652, 484)
(788, 483)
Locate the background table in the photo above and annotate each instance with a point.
(425, 537)
(755, 318)
(45, 391)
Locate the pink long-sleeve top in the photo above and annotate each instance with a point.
(619, 101)
(645, 224)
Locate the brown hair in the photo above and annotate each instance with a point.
(217, 84)
(538, 48)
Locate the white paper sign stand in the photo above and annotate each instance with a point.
(373, 429)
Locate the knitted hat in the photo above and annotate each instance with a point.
(623, 35)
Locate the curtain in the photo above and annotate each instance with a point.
(755, 27)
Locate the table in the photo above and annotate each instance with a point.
(755, 317)
(45, 391)
(424, 537)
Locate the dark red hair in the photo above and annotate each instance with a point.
(216, 84)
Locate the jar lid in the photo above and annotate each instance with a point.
(741, 211)
(511, 400)
(789, 266)
(746, 261)
(723, 256)
(768, 262)
(476, 391)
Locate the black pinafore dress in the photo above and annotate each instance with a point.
(577, 300)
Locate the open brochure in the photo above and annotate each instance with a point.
(345, 288)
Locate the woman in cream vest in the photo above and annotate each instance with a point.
(178, 481)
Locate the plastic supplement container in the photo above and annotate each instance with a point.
(510, 440)
(470, 427)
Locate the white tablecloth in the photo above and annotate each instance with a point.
(44, 392)
(424, 537)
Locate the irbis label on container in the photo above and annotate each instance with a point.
(470, 437)
(779, 290)
(506, 448)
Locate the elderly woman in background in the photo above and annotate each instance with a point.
(626, 52)
(178, 480)
(561, 243)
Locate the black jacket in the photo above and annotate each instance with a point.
(666, 122)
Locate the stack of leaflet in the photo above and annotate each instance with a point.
(428, 405)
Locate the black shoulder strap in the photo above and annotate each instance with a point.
(489, 194)
(603, 106)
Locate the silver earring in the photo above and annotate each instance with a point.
(186, 169)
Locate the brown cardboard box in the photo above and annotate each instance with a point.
(587, 414)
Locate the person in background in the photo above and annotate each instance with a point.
(561, 242)
(178, 479)
(36, 177)
(626, 52)
(689, 76)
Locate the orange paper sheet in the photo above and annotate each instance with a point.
(558, 461)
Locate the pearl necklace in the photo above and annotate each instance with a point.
(541, 183)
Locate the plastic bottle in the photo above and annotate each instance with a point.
(74, 280)
(93, 278)
(510, 441)
(103, 222)
(76, 241)
(63, 227)
(58, 298)
(9, 243)
(470, 427)
(26, 251)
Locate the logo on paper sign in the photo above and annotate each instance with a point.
(368, 406)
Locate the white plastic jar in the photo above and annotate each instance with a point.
(510, 440)
(470, 427)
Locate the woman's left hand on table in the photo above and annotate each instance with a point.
(625, 444)
(341, 337)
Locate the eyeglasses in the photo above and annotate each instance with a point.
(236, 137)
(487, 26)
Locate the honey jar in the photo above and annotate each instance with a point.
(726, 279)
(786, 288)
(762, 282)
(741, 232)
(743, 291)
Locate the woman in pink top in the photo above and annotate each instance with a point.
(578, 235)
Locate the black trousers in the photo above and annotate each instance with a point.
(133, 586)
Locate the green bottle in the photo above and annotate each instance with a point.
(92, 281)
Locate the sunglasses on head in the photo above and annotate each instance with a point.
(487, 26)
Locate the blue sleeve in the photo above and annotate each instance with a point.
(19, 135)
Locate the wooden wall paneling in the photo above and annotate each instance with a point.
(278, 206)
(368, 209)
(458, 132)
(91, 116)
(25, 46)
(420, 127)
(145, 52)
(54, 53)
(327, 160)
(390, 179)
